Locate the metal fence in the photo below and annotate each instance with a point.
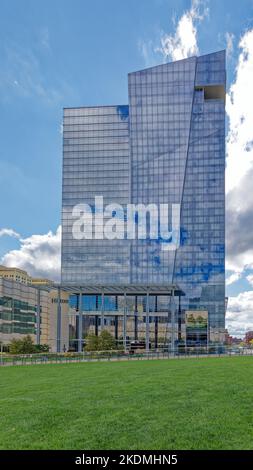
(66, 358)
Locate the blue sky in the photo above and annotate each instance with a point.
(78, 52)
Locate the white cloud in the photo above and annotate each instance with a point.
(250, 279)
(184, 42)
(240, 113)
(239, 317)
(181, 44)
(239, 171)
(233, 278)
(240, 262)
(39, 255)
(229, 37)
(9, 232)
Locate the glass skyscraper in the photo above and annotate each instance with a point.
(166, 147)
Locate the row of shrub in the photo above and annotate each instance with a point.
(104, 342)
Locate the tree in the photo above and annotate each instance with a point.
(22, 346)
(104, 342)
(15, 346)
(107, 341)
(248, 337)
(28, 345)
(92, 343)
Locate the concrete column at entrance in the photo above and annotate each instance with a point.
(80, 324)
(116, 327)
(38, 317)
(147, 322)
(102, 310)
(172, 310)
(58, 328)
(125, 323)
(179, 319)
(136, 319)
(156, 323)
(156, 332)
(96, 325)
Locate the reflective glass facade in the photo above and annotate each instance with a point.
(167, 146)
(95, 163)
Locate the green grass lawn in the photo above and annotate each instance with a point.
(166, 404)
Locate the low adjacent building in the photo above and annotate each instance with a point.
(30, 306)
(15, 274)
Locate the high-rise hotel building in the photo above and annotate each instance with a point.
(167, 146)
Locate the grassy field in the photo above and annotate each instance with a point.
(175, 404)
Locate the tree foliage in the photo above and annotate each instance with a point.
(107, 341)
(26, 346)
(92, 343)
(104, 342)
